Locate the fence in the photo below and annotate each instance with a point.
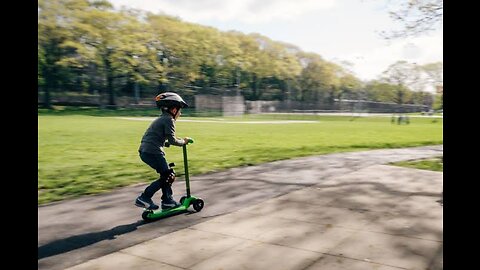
(71, 99)
(346, 106)
(231, 104)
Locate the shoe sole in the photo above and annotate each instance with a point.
(144, 205)
(140, 205)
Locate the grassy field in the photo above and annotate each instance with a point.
(79, 155)
(431, 164)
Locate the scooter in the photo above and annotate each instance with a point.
(185, 201)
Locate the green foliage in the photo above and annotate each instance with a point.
(433, 164)
(378, 91)
(438, 102)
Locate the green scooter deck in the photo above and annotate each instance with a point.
(161, 213)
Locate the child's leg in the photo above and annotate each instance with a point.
(159, 163)
(167, 192)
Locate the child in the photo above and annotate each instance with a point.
(151, 150)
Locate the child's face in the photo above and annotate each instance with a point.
(177, 112)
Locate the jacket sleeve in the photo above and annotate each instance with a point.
(170, 134)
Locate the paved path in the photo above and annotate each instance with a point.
(337, 211)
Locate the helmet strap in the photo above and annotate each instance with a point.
(174, 115)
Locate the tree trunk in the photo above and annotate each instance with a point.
(137, 93)
(109, 77)
(111, 92)
(49, 72)
(254, 85)
(50, 83)
(46, 97)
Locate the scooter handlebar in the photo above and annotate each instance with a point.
(190, 140)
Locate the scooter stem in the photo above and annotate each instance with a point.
(185, 163)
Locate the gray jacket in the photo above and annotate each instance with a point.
(160, 130)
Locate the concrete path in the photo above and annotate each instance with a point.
(338, 211)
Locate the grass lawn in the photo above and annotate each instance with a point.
(432, 164)
(79, 155)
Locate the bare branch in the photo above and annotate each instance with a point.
(417, 17)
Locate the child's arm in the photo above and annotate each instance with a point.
(175, 141)
(170, 135)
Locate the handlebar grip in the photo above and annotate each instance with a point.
(167, 144)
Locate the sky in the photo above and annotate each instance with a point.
(337, 30)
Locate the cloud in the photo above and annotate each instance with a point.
(369, 64)
(246, 11)
(411, 51)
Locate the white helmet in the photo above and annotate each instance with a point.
(170, 100)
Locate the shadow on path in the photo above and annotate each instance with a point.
(79, 241)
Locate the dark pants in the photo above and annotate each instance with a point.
(159, 163)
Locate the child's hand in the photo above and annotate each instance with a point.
(187, 140)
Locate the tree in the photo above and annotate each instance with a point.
(423, 98)
(252, 63)
(434, 72)
(416, 17)
(401, 74)
(398, 73)
(40, 64)
(274, 64)
(138, 58)
(99, 40)
(86, 45)
(349, 85)
(381, 91)
(54, 24)
(319, 79)
(185, 50)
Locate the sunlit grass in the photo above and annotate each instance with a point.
(432, 164)
(80, 155)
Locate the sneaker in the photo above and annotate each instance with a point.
(169, 203)
(145, 203)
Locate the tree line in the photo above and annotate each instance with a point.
(89, 47)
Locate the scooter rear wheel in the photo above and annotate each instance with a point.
(182, 199)
(145, 215)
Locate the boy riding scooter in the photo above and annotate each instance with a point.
(151, 151)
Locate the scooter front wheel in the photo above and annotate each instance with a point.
(198, 205)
